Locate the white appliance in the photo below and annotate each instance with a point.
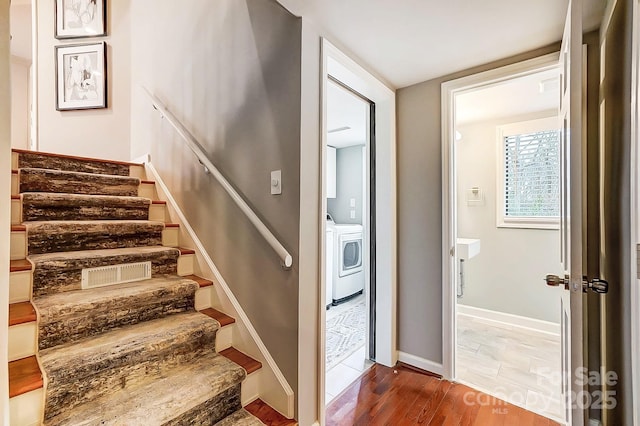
(348, 261)
(329, 267)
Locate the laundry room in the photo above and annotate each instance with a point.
(347, 242)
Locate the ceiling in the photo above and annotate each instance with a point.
(411, 41)
(345, 110)
(517, 96)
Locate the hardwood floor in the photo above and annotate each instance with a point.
(402, 396)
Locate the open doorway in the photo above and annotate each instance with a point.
(506, 220)
(350, 321)
(21, 73)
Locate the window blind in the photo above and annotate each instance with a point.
(532, 174)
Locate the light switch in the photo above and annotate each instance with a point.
(352, 214)
(352, 202)
(276, 182)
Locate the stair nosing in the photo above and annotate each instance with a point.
(253, 366)
(221, 317)
(21, 318)
(34, 385)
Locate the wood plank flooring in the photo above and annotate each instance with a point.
(403, 396)
(268, 415)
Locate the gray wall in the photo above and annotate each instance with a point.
(420, 211)
(350, 176)
(507, 274)
(230, 71)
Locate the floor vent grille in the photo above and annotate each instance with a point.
(115, 274)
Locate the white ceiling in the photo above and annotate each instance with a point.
(344, 109)
(411, 41)
(515, 97)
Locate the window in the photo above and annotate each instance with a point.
(529, 180)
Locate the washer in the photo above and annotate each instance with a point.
(348, 262)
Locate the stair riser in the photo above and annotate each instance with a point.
(158, 212)
(18, 247)
(61, 326)
(212, 410)
(224, 338)
(62, 212)
(203, 298)
(186, 265)
(87, 379)
(22, 340)
(19, 286)
(16, 212)
(61, 276)
(26, 409)
(56, 239)
(35, 160)
(69, 183)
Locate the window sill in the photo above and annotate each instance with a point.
(529, 224)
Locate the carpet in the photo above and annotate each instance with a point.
(345, 334)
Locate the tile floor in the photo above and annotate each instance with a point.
(346, 372)
(519, 365)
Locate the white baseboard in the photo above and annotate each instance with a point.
(510, 319)
(421, 363)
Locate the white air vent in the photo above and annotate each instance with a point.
(115, 274)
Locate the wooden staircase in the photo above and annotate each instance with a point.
(52, 319)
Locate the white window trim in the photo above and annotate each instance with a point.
(522, 127)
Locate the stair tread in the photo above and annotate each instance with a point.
(21, 313)
(127, 338)
(18, 228)
(70, 182)
(24, 376)
(73, 315)
(221, 317)
(75, 235)
(240, 418)
(242, 359)
(20, 265)
(161, 400)
(45, 206)
(268, 415)
(202, 282)
(185, 251)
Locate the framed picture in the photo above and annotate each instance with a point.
(80, 18)
(81, 76)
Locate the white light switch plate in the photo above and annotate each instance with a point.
(276, 182)
(352, 214)
(352, 202)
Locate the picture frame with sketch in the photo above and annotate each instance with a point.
(80, 18)
(81, 76)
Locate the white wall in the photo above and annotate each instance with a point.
(350, 177)
(507, 275)
(5, 214)
(102, 133)
(20, 70)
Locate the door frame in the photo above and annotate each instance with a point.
(635, 205)
(344, 69)
(449, 91)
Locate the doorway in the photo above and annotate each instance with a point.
(504, 220)
(350, 205)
